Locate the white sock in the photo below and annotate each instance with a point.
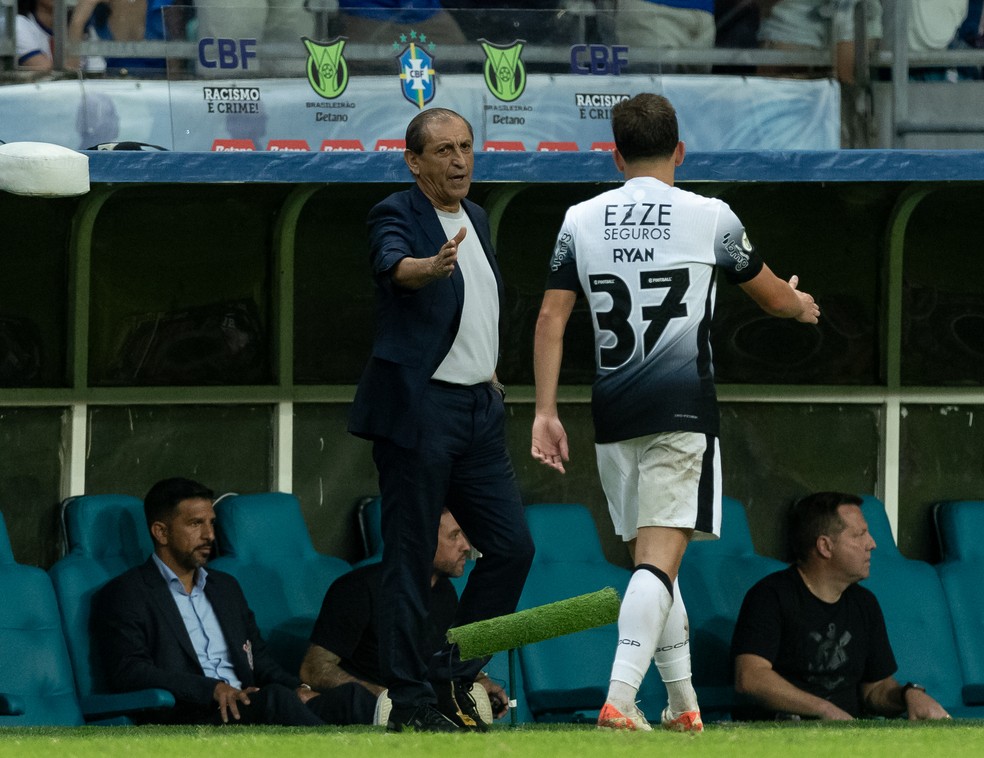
(673, 657)
(640, 624)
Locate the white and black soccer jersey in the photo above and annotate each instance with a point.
(645, 256)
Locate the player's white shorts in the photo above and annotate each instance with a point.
(668, 479)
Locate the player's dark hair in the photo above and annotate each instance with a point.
(813, 516)
(161, 502)
(645, 126)
(416, 136)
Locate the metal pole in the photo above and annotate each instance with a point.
(900, 73)
(60, 34)
(512, 687)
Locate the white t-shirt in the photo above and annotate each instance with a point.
(473, 355)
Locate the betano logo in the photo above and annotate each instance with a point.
(327, 70)
(505, 73)
(416, 68)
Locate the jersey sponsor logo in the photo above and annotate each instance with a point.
(562, 251)
(637, 221)
(417, 69)
(327, 70)
(505, 72)
(736, 251)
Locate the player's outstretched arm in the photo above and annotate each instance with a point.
(781, 299)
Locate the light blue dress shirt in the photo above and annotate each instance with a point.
(203, 627)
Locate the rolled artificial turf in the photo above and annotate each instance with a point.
(544, 622)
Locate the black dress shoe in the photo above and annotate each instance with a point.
(419, 718)
(454, 700)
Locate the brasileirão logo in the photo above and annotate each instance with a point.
(327, 71)
(505, 72)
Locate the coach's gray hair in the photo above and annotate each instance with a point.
(416, 137)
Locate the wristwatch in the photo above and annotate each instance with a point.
(911, 686)
(499, 387)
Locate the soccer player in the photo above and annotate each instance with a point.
(645, 256)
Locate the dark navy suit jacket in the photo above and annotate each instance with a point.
(143, 643)
(414, 328)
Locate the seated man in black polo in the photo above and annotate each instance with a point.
(344, 644)
(810, 642)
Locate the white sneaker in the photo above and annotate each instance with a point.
(383, 707)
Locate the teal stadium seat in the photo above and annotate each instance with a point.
(264, 543)
(714, 577)
(960, 524)
(105, 535)
(36, 684)
(917, 616)
(566, 678)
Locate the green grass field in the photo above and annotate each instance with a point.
(893, 739)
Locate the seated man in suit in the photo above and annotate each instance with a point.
(810, 642)
(170, 624)
(345, 644)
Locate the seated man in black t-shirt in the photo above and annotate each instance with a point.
(345, 645)
(809, 641)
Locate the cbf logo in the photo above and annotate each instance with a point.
(505, 73)
(327, 71)
(417, 69)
